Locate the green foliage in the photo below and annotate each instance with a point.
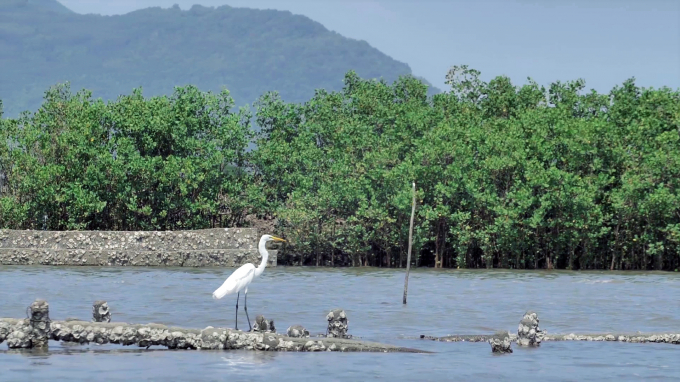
(248, 51)
(158, 163)
(507, 176)
(514, 177)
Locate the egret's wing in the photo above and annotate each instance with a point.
(239, 279)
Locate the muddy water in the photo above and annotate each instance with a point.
(440, 303)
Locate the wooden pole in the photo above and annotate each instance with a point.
(410, 242)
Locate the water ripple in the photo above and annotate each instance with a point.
(441, 302)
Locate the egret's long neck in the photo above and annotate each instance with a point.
(262, 247)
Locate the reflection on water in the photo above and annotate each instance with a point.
(440, 302)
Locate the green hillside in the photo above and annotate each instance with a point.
(245, 50)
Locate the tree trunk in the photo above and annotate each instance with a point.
(616, 247)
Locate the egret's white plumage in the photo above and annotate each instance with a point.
(242, 277)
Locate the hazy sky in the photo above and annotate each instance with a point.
(603, 41)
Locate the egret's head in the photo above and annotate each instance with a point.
(272, 238)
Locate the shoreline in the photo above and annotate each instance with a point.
(204, 248)
(223, 247)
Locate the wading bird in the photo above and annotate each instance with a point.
(243, 276)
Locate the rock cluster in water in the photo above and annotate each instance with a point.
(528, 333)
(32, 332)
(668, 338)
(37, 329)
(17, 334)
(263, 325)
(39, 322)
(297, 331)
(500, 343)
(101, 312)
(337, 324)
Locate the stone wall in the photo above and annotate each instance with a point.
(224, 247)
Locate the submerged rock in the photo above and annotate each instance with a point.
(500, 343)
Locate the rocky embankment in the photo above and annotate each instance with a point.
(224, 247)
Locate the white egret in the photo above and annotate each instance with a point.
(243, 276)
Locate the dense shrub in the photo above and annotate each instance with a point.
(507, 176)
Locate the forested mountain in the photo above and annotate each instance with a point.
(247, 51)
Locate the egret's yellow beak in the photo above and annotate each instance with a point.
(278, 239)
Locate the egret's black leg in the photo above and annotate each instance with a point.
(245, 307)
(237, 296)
